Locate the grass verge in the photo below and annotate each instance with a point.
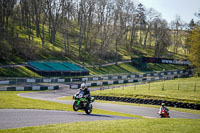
(10, 100)
(118, 126)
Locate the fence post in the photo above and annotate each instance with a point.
(149, 86)
(178, 87)
(163, 85)
(135, 87)
(195, 87)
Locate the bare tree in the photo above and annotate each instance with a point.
(6, 8)
(161, 35)
(141, 20)
(55, 16)
(150, 15)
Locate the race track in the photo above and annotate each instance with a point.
(135, 110)
(13, 118)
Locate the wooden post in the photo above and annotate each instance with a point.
(178, 87)
(149, 86)
(195, 87)
(163, 86)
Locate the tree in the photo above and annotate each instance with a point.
(193, 41)
(141, 20)
(161, 35)
(6, 8)
(36, 8)
(177, 27)
(191, 24)
(55, 17)
(151, 14)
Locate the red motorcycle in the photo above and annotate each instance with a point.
(163, 114)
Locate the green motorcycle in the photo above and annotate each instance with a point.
(82, 103)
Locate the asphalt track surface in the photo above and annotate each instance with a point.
(14, 118)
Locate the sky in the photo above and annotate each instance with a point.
(170, 8)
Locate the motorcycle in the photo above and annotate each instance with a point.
(163, 114)
(82, 103)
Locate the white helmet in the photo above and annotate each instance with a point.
(83, 85)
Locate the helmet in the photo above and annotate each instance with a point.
(163, 104)
(83, 85)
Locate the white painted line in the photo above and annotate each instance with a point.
(130, 80)
(148, 79)
(3, 89)
(99, 83)
(105, 78)
(84, 79)
(148, 75)
(132, 76)
(74, 86)
(36, 88)
(155, 74)
(19, 88)
(4, 82)
(124, 77)
(94, 79)
(110, 82)
(50, 88)
(47, 80)
(120, 81)
(115, 77)
(30, 80)
(61, 80)
(88, 84)
(162, 74)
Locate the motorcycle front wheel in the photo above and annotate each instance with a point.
(75, 107)
(88, 110)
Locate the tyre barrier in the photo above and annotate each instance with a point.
(29, 88)
(150, 101)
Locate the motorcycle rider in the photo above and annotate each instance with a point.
(163, 107)
(86, 91)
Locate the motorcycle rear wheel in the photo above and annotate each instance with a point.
(88, 110)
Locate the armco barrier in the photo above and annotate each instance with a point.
(135, 80)
(150, 101)
(178, 73)
(29, 88)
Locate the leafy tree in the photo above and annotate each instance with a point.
(193, 41)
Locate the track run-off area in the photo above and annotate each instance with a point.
(14, 118)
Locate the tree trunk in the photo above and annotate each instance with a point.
(146, 35)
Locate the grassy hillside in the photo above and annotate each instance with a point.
(21, 48)
(128, 68)
(17, 72)
(120, 68)
(16, 47)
